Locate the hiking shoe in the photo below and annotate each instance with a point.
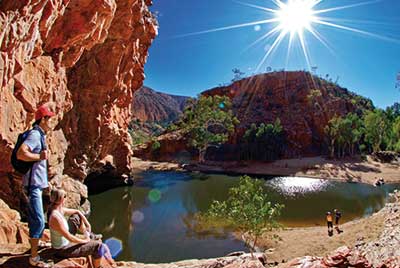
(94, 236)
(43, 244)
(37, 262)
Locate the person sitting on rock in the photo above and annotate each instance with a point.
(67, 244)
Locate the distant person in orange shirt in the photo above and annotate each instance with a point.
(329, 221)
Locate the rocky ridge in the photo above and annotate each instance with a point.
(150, 105)
(304, 103)
(85, 59)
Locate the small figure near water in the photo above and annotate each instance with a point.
(379, 182)
(329, 221)
(65, 242)
(338, 215)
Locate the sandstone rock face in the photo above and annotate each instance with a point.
(149, 105)
(241, 260)
(287, 95)
(83, 57)
(12, 231)
(102, 83)
(173, 147)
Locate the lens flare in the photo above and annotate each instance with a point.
(115, 246)
(137, 216)
(154, 195)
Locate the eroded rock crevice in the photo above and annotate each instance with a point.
(84, 58)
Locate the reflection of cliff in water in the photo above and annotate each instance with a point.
(114, 215)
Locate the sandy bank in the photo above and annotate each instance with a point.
(314, 241)
(350, 170)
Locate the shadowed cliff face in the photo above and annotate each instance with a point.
(86, 58)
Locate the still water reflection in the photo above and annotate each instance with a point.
(152, 218)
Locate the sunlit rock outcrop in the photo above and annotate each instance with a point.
(304, 104)
(83, 57)
(102, 83)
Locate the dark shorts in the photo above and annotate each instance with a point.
(337, 221)
(94, 248)
(330, 224)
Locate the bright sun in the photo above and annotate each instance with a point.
(295, 16)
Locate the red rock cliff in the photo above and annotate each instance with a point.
(288, 96)
(86, 57)
(303, 103)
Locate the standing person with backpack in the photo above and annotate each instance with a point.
(34, 150)
(338, 215)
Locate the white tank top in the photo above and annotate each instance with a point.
(58, 240)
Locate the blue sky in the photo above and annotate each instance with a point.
(190, 64)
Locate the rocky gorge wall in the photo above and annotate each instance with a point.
(84, 58)
(304, 104)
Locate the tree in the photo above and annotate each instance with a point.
(396, 132)
(375, 128)
(332, 134)
(248, 209)
(265, 142)
(344, 135)
(208, 121)
(237, 74)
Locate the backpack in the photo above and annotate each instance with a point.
(19, 165)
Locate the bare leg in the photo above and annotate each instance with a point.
(34, 246)
(96, 262)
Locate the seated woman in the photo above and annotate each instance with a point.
(68, 245)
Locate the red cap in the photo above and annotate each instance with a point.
(43, 111)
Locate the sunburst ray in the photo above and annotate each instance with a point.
(297, 17)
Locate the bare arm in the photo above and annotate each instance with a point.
(56, 224)
(24, 153)
(69, 212)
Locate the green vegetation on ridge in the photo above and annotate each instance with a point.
(374, 131)
(207, 121)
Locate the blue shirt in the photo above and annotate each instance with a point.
(39, 168)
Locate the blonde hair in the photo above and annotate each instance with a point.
(56, 196)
